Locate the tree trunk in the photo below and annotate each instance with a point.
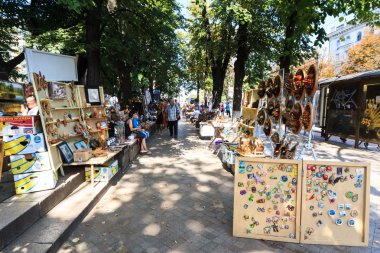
(239, 66)
(124, 72)
(93, 34)
(198, 89)
(285, 58)
(7, 67)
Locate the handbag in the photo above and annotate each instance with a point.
(178, 115)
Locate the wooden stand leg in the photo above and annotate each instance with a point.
(1, 157)
(92, 175)
(62, 172)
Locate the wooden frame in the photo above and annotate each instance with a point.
(93, 96)
(242, 218)
(66, 151)
(330, 233)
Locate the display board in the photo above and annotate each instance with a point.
(56, 67)
(266, 199)
(335, 205)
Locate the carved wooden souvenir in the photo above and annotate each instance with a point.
(295, 118)
(289, 86)
(298, 88)
(261, 116)
(311, 81)
(269, 88)
(307, 117)
(262, 89)
(277, 86)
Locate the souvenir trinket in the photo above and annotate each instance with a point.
(351, 222)
(354, 213)
(338, 221)
(245, 206)
(331, 212)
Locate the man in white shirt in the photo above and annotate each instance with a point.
(32, 105)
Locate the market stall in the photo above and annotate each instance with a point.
(350, 107)
(283, 197)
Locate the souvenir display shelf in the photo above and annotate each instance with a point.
(335, 210)
(98, 116)
(267, 199)
(60, 113)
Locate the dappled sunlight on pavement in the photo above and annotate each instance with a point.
(179, 199)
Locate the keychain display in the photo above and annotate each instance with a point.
(266, 194)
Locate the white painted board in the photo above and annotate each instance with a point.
(55, 67)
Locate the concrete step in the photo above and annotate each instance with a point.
(52, 230)
(19, 212)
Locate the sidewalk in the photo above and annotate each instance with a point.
(180, 199)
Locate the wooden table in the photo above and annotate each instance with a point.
(98, 160)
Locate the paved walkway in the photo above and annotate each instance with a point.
(180, 200)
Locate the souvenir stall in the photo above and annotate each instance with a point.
(272, 194)
(74, 119)
(350, 107)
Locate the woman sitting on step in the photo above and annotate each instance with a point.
(133, 126)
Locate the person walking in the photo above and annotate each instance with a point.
(228, 109)
(222, 109)
(173, 117)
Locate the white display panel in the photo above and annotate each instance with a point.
(55, 67)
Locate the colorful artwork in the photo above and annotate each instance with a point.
(11, 91)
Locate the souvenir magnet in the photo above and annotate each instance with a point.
(338, 221)
(331, 212)
(250, 176)
(311, 208)
(245, 206)
(319, 223)
(240, 184)
(260, 166)
(348, 207)
(355, 198)
(251, 197)
(354, 213)
(253, 189)
(339, 171)
(243, 192)
(342, 214)
(340, 206)
(249, 168)
(349, 194)
(351, 222)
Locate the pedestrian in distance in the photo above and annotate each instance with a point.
(228, 109)
(173, 117)
(222, 109)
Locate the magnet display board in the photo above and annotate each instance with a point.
(55, 67)
(335, 205)
(266, 199)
